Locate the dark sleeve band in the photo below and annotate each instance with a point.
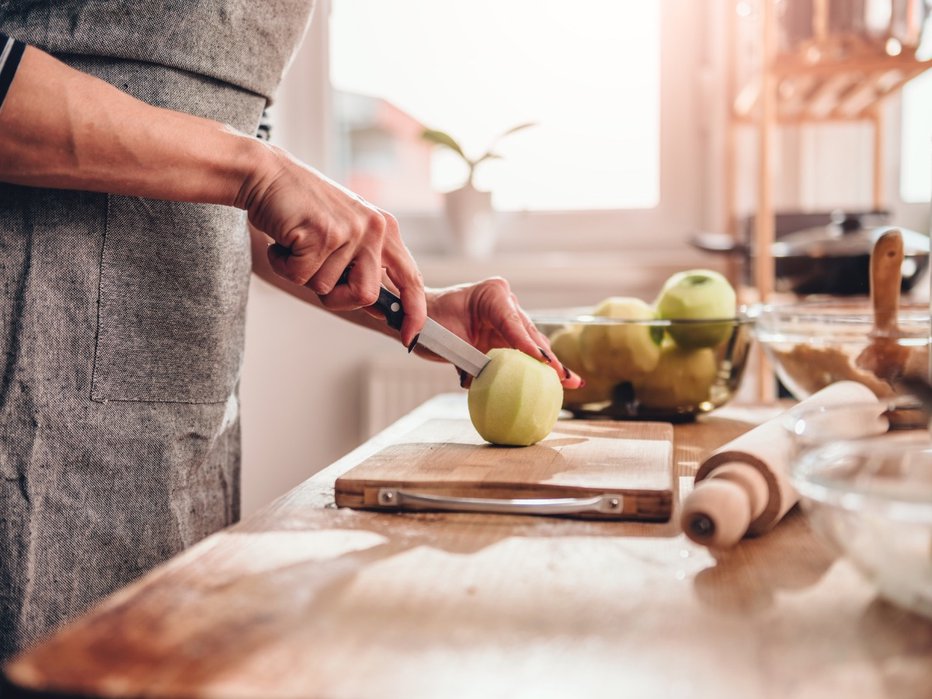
(264, 132)
(11, 51)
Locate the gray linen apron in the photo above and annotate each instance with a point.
(121, 319)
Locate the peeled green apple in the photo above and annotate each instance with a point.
(697, 294)
(515, 400)
(683, 377)
(621, 352)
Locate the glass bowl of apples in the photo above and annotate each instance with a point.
(681, 356)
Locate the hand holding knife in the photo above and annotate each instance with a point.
(433, 336)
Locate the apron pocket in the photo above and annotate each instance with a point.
(173, 284)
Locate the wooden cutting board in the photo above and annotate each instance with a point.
(628, 464)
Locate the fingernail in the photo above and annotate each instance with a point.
(413, 343)
(582, 382)
(544, 354)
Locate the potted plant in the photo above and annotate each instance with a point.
(468, 209)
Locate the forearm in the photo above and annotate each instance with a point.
(61, 128)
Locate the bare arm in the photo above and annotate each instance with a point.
(64, 129)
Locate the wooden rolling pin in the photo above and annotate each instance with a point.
(743, 488)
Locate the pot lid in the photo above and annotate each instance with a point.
(834, 241)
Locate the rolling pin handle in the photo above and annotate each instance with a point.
(720, 510)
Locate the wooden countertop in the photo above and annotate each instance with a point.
(306, 600)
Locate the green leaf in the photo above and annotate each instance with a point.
(519, 127)
(441, 138)
(513, 129)
(487, 156)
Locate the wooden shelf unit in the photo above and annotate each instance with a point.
(827, 78)
(838, 89)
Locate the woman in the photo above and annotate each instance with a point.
(126, 163)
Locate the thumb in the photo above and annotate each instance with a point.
(280, 259)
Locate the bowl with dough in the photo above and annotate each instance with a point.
(814, 343)
(648, 368)
(870, 498)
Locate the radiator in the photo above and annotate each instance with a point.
(393, 387)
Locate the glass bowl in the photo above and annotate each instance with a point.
(871, 499)
(670, 370)
(814, 343)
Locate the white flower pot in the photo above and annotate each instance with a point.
(471, 221)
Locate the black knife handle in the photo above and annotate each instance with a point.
(387, 303)
(391, 308)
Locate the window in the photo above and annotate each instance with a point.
(653, 154)
(916, 163)
(586, 73)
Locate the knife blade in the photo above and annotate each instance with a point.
(434, 336)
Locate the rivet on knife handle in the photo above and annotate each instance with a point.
(387, 303)
(390, 305)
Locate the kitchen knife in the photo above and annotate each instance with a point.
(433, 336)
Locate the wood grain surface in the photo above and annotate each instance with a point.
(577, 459)
(307, 600)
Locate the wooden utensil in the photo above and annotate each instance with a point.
(884, 356)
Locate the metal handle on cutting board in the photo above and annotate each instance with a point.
(607, 503)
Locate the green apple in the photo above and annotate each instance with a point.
(621, 351)
(697, 294)
(565, 345)
(683, 377)
(515, 400)
(596, 390)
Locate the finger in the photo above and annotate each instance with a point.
(415, 304)
(568, 377)
(500, 307)
(497, 307)
(338, 231)
(403, 272)
(294, 267)
(330, 272)
(278, 260)
(465, 378)
(361, 288)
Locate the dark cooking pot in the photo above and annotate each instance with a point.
(832, 259)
